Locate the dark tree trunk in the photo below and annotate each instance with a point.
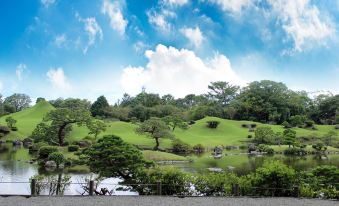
(156, 144)
(61, 133)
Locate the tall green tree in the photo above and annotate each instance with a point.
(156, 129)
(63, 118)
(10, 122)
(289, 137)
(264, 135)
(17, 102)
(96, 127)
(112, 157)
(174, 121)
(222, 92)
(100, 107)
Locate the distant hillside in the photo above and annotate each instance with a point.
(28, 119)
(229, 132)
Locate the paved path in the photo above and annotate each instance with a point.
(159, 201)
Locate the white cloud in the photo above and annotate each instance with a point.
(302, 22)
(60, 40)
(233, 6)
(159, 20)
(176, 2)
(1, 86)
(140, 46)
(58, 79)
(93, 30)
(194, 35)
(179, 72)
(47, 3)
(20, 70)
(114, 12)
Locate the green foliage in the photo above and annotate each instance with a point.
(286, 125)
(297, 120)
(17, 102)
(96, 127)
(4, 130)
(100, 107)
(319, 147)
(174, 181)
(180, 147)
(10, 122)
(289, 136)
(294, 151)
(175, 120)
(112, 157)
(222, 92)
(45, 151)
(57, 157)
(63, 118)
(199, 148)
(273, 174)
(263, 135)
(215, 184)
(156, 129)
(265, 148)
(212, 124)
(73, 148)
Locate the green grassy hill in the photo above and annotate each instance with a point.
(27, 119)
(229, 132)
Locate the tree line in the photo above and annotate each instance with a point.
(262, 101)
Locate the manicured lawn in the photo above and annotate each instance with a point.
(162, 156)
(229, 132)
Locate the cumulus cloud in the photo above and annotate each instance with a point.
(233, 6)
(47, 3)
(58, 79)
(302, 22)
(160, 19)
(93, 31)
(176, 2)
(178, 72)
(194, 35)
(20, 70)
(117, 20)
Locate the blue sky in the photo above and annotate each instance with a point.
(61, 48)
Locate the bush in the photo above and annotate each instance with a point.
(174, 180)
(212, 124)
(265, 148)
(198, 148)
(14, 128)
(215, 184)
(57, 157)
(180, 147)
(309, 124)
(45, 151)
(286, 125)
(249, 136)
(273, 174)
(336, 126)
(4, 130)
(243, 147)
(295, 151)
(73, 148)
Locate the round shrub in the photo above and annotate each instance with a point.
(73, 148)
(45, 151)
(212, 124)
(57, 157)
(198, 148)
(249, 136)
(180, 147)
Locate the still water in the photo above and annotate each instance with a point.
(14, 167)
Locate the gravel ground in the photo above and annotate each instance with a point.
(158, 201)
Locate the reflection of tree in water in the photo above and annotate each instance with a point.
(51, 184)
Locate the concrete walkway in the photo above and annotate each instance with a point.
(159, 201)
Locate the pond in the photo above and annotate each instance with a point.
(16, 171)
(14, 167)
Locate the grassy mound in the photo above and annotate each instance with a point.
(27, 119)
(162, 156)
